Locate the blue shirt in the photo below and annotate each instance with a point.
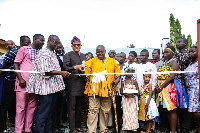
(9, 58)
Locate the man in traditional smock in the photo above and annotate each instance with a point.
(46, 84)
(99, 97)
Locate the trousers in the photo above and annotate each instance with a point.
(25, 107)
(101, 106)
(75, 111)
(45, 110)
(9, 97)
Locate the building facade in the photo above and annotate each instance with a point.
(3, 50)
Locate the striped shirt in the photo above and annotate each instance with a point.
(9, 58)
(46, 61)
(32, 52)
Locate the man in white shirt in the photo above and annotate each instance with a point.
(146, 66)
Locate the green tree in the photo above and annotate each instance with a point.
(172, 28)
(131, 46)
(175, 30)
(189, 38)
(183, 36)
(178, 34)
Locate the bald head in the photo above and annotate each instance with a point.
(100, 52)
(100, 46)
(9, 44)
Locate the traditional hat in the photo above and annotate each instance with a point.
(75, 39)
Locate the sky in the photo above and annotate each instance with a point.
(112, 23)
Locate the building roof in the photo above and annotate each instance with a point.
(2, 42)
(118, 50)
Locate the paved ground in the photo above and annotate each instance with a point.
(66, 130)
(11, 129)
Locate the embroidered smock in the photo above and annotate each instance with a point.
(95, 65)
(46, 61)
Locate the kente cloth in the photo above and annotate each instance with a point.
(173, 95)
(168, 94)
(144, 94)
(95, 65)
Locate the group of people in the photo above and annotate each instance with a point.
(128, 87)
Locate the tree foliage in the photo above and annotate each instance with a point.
(175, 31)
(172, 28)
(189, 38)
(131, 46)
(183, 36)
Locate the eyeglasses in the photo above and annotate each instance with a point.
(74, 45)
(56, 42)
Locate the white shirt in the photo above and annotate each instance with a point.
(148, 67)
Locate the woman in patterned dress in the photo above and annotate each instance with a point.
(145, 94)
(172, 93)
(163, 82)
(129, 105)
(192, 84)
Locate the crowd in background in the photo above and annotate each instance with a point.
(63, 87)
